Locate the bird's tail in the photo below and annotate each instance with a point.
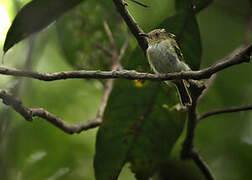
(184, 95)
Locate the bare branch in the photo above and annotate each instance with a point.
(202, 165)
(131, 23)
(188, 151)
(104, 49)
(225, 110)
(240, 57)
(123, 50)
(110, 36)
(188, 144)
(28, 115)
(61, 124)
(208, 83)
(16, 104)
(108, 86)
(110, 82)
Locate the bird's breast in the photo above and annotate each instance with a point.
(162, 57)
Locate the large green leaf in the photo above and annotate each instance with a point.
(35, 16)
(139, 126)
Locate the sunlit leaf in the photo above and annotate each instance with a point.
(35, 16)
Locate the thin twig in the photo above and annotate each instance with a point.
(110, 36)
(123, 50)
(241, 57)
(139, 3)
(115, 66)
(208, 83)
(103, 49)
(225, 110)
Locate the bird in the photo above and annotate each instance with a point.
(165, 56)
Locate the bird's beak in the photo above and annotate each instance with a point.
(144, 35)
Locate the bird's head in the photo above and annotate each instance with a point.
(157, 35)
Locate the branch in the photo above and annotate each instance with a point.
(115, 65)
(110, 36)
(240, 57)
(131, 23)
(102, 48)
(225, 110)
(29, 114)
(202, 165)
(196, 90)
(208, 83)
(188, 151)
(123, 50)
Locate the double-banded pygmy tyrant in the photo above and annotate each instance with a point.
(164, 56)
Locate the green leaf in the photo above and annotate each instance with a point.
(184, 25)
(80, 34)
(139, 127)
(35, 16)
(153, 144)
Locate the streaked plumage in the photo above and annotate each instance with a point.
(164, 56)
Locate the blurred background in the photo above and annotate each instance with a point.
(38, 150)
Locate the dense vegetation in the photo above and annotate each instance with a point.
(143, 132)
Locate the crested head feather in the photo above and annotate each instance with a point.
(158, 35)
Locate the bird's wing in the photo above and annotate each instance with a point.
(177, 50)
